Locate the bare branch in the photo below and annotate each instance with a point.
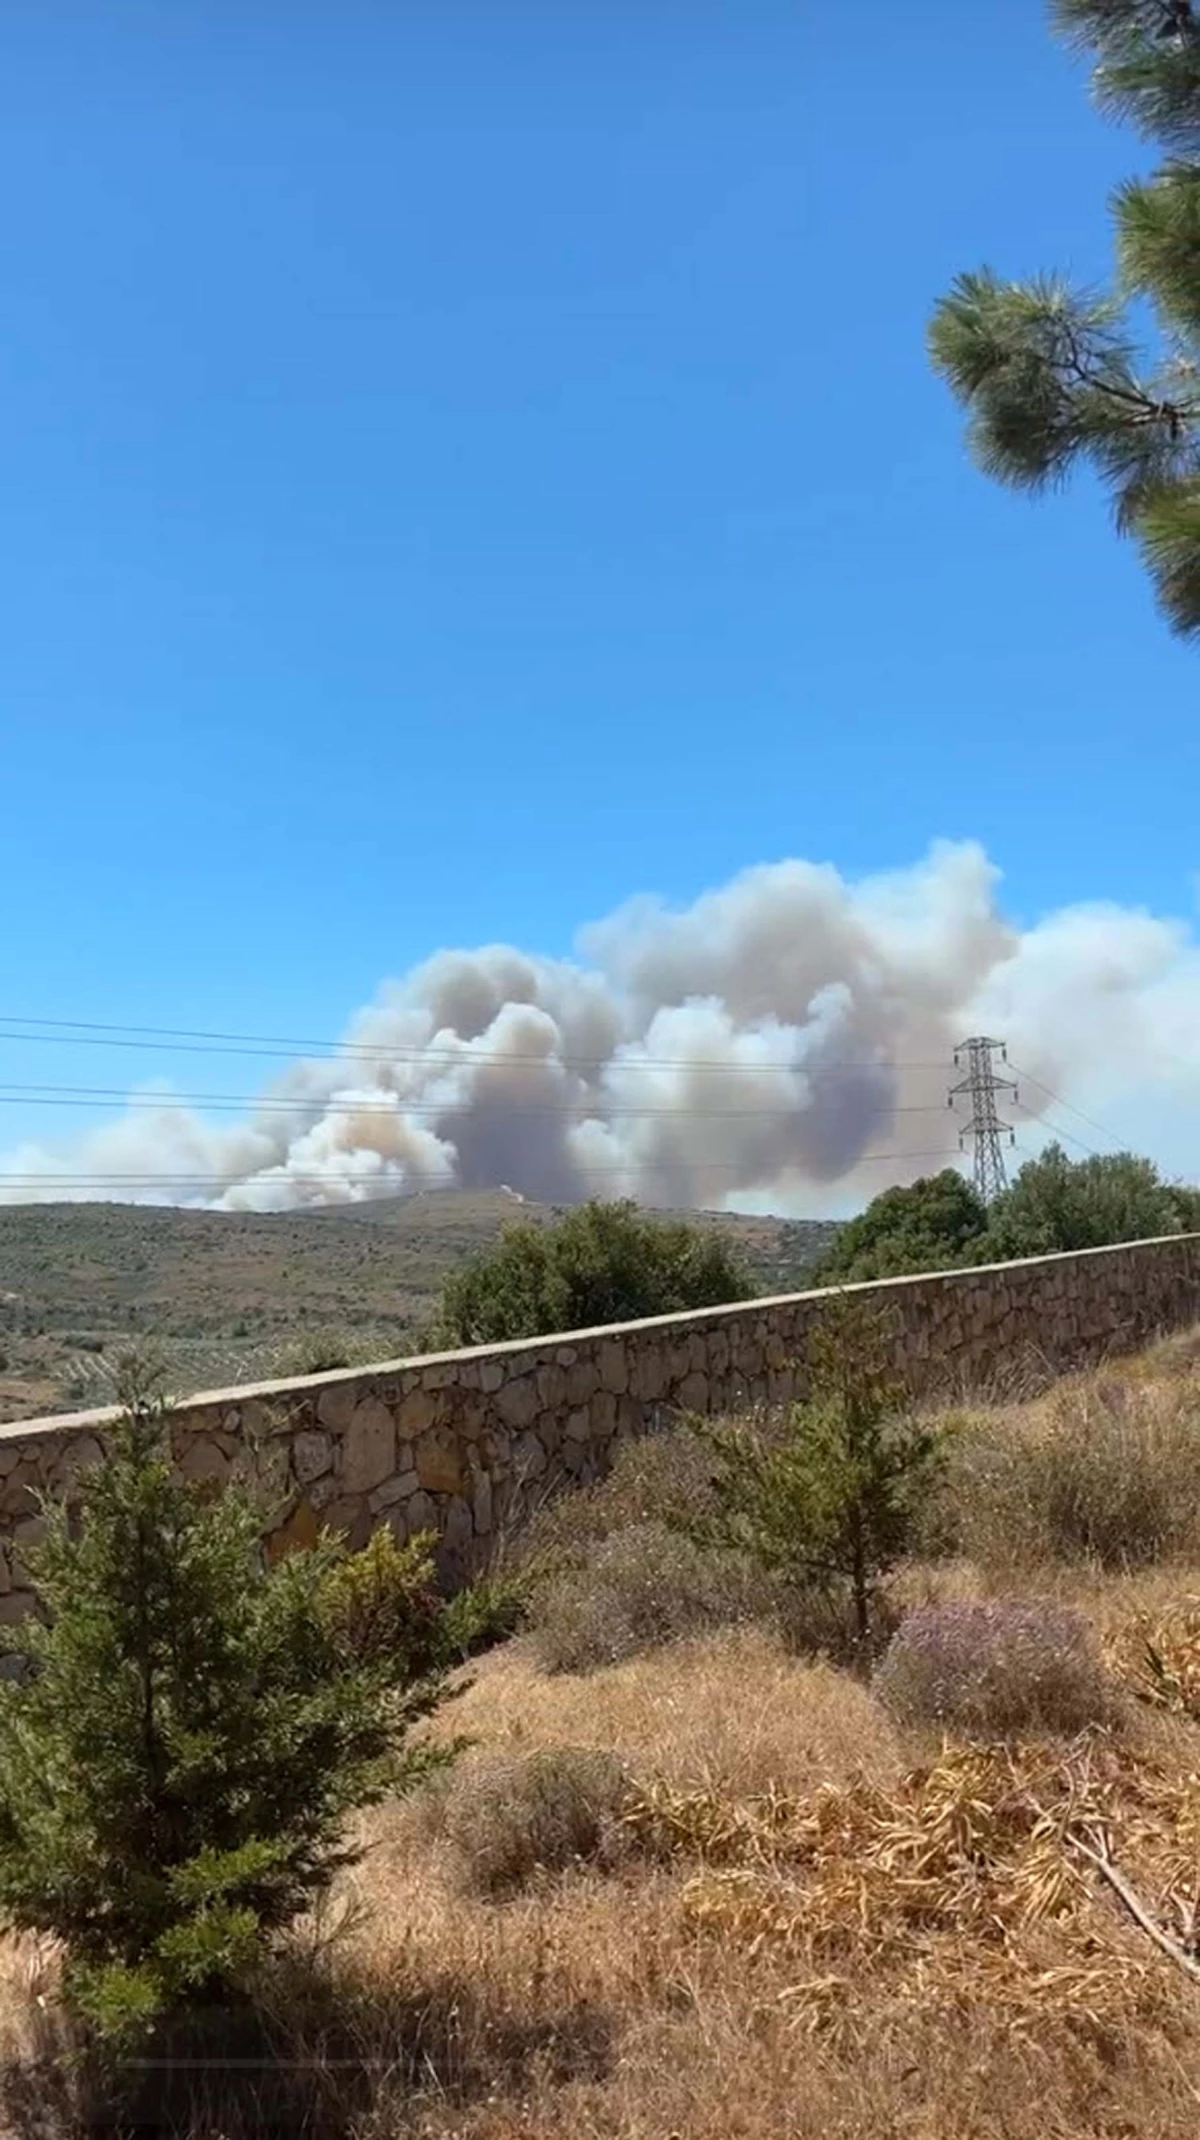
(1133, 1903)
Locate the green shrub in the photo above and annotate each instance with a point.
(602, 1263)
(831, 1506)
(189, 1732)
(382, 1606)
(1053, 1203)
(927, 1225)
(1111, 1475)
(488, 1611)
(641, 1587)
(514, 1819)
(1056, 1203)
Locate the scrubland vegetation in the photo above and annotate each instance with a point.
(693, 1855)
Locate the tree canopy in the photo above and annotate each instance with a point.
(1060, 1203)
(601, 1263)
(926, 1226)
(1054, 376)
(1054, 1203)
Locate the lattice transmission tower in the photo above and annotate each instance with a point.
(982, 1084)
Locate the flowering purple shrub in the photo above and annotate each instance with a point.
(995, 1669)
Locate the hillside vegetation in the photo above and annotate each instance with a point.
(235, 1297)
(696, 1877)
(1052, 1206)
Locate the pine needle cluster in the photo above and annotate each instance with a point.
(1053, 376)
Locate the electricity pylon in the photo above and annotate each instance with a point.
(985, 1126)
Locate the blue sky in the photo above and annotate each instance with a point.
(462, 465)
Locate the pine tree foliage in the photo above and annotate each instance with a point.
(1053, 377)
(830, 1505)
(190, 1731)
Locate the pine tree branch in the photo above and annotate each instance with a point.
(1176, 414)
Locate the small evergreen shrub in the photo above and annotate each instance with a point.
(830, 1506)
(323, 1351)
(995, 1669)
(189, 1733)
(515, 1819)
(382, 1606)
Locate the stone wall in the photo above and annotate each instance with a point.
(460, 1442)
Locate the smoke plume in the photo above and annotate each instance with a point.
(783, 1044)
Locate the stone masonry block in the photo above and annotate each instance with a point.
(551, 1386)
(582, 1379)
(368, 1447)
(337, 1404)
(439, 1464)
(517, 1403)
(312, 1455)
(415, 1413)
(614, 1367)
(205, 1461)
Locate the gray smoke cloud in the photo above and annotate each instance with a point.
(784, 1043)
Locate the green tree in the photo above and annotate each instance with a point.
(929, 1225)
(602, 1263)
(1060, 1203)
(830, 1505)
(189, 1732)
(1053, 376)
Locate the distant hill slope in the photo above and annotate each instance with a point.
(235, 1296)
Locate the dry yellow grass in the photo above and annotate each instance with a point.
(733, 1709)
(821, 1940)
(826, 1928)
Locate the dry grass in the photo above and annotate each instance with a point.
(513, 1821)
(815, 1934)
(640, 1588)
(732, 1709)
(820, 1925)
(818, 1939)
(1105, 1469)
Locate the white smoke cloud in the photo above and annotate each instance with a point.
(784, 1043)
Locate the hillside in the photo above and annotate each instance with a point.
(234, 1296)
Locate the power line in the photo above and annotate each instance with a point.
(169, 1039)
(386, 1105)
(1058, 1130)
(982, 1084)
(1057, 1100)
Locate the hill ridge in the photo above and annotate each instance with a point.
(238, 1296)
